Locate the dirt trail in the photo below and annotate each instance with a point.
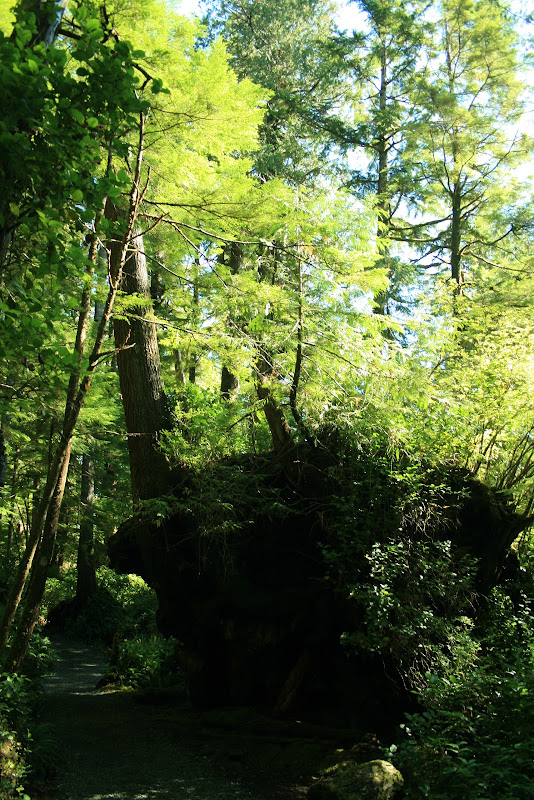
(115, 748)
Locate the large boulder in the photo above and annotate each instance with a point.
(374, 780)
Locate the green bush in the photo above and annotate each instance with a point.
(123, 604)
(138, 602)
(15, 713)
(40, 657)
(147, 661)
(474, 737)
(27, 747)
(413, 602)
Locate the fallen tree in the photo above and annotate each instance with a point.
(331, 599)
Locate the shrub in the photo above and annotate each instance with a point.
(413, 602)
(147, 661)
(473, 739)
(123, 604)
(15, 712)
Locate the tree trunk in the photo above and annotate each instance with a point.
(283, 443)
(229, 384)
(86, 578)
(179, 367)
(48, 13)
(146, 409)
(59, 465)
(3, 457)
(195, 322)
(456, 234)
(77, 390)
(233, 255)
(11, 523)
(39, 574)
(381, 300)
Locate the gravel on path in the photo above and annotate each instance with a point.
(114, 748)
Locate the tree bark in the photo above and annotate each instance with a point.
(233, 255)
(39, 574)
(86, 577)
(229, 384)
(179, 367)
(11, 523)
(48, 13)
(381, 300)
(456, 234)
(192, 355)
(146, 408)
(283, 443)
(3, 457)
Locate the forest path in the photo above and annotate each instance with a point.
(114, 747)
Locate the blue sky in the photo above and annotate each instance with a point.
(347, 12)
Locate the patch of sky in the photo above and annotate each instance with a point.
(348, 16)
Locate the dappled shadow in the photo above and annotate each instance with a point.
(79, 669)
(114, 748)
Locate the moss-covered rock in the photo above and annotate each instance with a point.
(374, 780)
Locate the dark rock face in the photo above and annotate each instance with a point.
(259, 618)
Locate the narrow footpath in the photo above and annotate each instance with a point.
(114, 747)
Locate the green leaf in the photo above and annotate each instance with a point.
(15, 209)
(33, 66)
(77, 115)
(123, 176)
(92, 122)
(77, 196)
(92, 24)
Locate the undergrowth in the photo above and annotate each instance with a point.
(123, 604)
(27, 747)
(472, 738)
(147, 662)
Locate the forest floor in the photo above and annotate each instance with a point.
(117, 745)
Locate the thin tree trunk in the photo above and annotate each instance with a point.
(73, 406)
(39, 574)
(11, 523)
(61, 454)
(233, 254)
(293, 392)
(86, 576)
(281, 437)
(456, 234)
(383, 200)
(179, 367)
(3, 457)
(193, 357)
(283, 443)
(49, 14)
